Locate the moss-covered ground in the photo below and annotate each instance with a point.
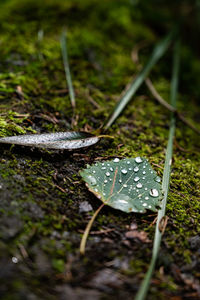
(41, 192)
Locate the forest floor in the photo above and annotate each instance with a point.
(44, 204)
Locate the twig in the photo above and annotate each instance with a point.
(98, 232)
(168, 106)
(154, 92)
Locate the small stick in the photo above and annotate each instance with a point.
(149, 84)
(168, 106)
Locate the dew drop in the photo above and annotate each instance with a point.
(145, 189)
(94, 172)
(136, 169)
(93, 180)
(111, 169)
(149, 206)
(120, 181)
(139, 185)
(144, 172)
(136, 178)
(128, 162)
(130, 169)
(124, 171)
(122, 201)
(138, 159)
(107, 174)
(144, 204)
(154, 192)
(14, 260)
(103, 168)
(116, 160)
(158, 179)
(146, 198)
(125, 185)
(105, 181)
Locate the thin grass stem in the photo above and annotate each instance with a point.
(157, 53)
(63, 44)
(87, 230)
(141, 295)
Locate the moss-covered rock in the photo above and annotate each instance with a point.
(40, 191)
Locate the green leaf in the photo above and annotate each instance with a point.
(130, 185)
(69, 140)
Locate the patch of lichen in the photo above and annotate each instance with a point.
(43, 194)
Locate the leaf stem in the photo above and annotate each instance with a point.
(87, 230)
(142, 292)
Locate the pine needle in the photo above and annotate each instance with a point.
(141, 295)
(63, 44)
(158, 51)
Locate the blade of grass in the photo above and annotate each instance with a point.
(168, 106)
(158, 51)
(63, 44)
(40, 37)
(141, 295)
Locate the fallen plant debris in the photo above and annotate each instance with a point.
(140, 235)
(69, 140)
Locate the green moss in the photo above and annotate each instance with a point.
(41, 193)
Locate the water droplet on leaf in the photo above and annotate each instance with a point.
(138, 160)
(116, 160)
(136, 179)
(136, 169)
(139, 185)
(154, 192)
(158, 179)
(124, 171)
